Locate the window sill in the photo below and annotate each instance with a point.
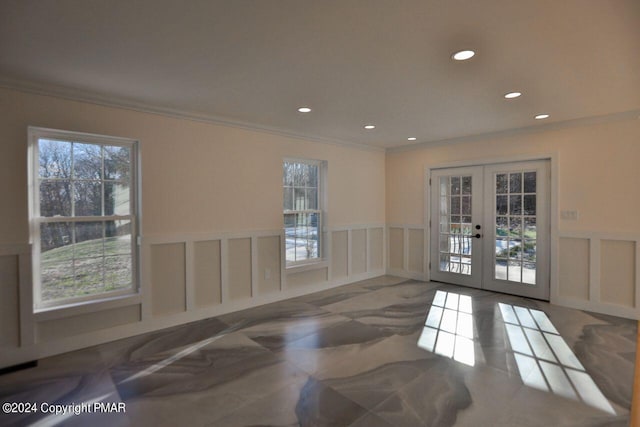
(84, 307)
(307, 267)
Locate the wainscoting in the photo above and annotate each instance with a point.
(16, 296)
(185, 278)
(599, 272)
(192, 273)
(406, 251)
(595, 271)
(191, 277)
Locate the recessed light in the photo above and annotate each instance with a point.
(541, 116)
(411, 138)
(512, 95)
(304, 110)
(463, 55)
(369, 127)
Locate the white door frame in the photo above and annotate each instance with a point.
(553, 211)
(474, 279)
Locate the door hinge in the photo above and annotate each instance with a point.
(429, 265)
(429, 181)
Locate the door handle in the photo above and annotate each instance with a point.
(477, 236)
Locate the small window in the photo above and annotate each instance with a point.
(302, 211)
(83, 216)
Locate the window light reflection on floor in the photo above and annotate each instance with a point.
(171, 359)
(544, 359)
(183, 353)
(448, 330)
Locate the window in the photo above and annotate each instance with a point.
(83, 216)
(302, 211)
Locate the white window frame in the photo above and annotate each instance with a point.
(35, 220)
(320, 259)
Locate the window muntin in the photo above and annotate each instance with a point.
(302, 211)
(83, 216)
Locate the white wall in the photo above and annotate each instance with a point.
(208, 240)
(595, 173)
(211, 226)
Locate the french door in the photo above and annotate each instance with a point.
(490, 227)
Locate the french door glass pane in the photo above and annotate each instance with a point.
(455, 185)
(455, 224)
(466, 185)
(530, 182)
(501, 269)
(515, 225)
(515, 182)
(529, 273)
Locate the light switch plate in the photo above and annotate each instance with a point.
(569, 215)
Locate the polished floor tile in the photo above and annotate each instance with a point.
(382, 352)
(433, 398)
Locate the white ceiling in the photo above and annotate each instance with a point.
(353, 61)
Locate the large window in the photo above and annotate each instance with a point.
(83, 216)
(302, 211)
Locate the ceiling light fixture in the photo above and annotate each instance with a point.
(512, 95)
(541, 116)
(369, 127)
(304, 110)
(463, 55)
(411, 138)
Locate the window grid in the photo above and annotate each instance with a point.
(302, 211)
(456, 224)
(515, 201)
(88, 254)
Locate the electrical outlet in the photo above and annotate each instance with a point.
(569, 215)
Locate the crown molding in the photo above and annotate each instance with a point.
(80, 95)
(583, 121)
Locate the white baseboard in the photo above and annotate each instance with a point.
(604, 308)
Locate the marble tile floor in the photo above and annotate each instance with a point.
(382, 352)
